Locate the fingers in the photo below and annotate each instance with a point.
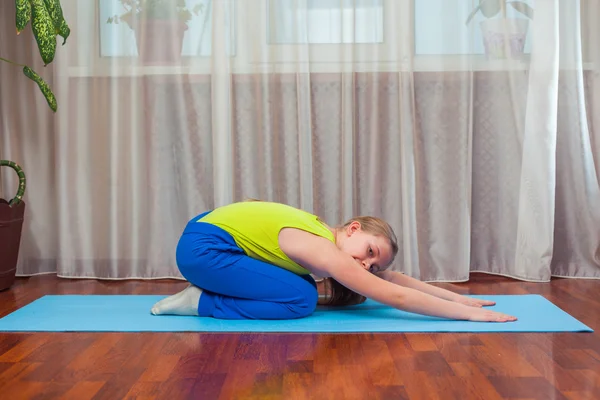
(477, 302)
(485, 302)
(486, 315)
(505, 318)
(492, 316)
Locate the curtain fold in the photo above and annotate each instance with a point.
(536, 204)
(577, 212)
(340, 107)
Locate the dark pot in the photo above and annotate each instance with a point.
(11, 224)
(159, 42)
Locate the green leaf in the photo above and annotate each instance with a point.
(490, 8)
(58, 20)
(470, 17)
(46, 91)
(23, 15)
(22, 181)
(43, 30)
(523, 8)
(197, 8)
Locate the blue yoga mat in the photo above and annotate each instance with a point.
(131, 313)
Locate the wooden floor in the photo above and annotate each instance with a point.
(298, 366)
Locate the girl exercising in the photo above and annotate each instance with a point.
(254, 260)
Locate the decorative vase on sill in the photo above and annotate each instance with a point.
(503, 38)
(11, 223)
(159, 27)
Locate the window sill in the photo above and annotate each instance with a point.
(127, 68)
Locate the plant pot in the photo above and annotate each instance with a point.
(504, 38)
(11, 223)
(158, 41)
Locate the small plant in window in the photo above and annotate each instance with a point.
(159, 26)
(135, 10)
(491, 8)
(503, 37)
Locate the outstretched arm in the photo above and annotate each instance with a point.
(323, 258)
(401, 279)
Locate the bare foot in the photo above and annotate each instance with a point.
(182, 303)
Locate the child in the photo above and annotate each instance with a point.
(254, 260)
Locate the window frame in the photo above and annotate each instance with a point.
(323, 53)
(269, 19)
(254, 54)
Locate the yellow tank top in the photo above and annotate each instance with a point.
(255, 227)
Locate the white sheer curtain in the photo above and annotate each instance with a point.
(341, 107)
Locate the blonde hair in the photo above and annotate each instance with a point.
(336, 294)
(378, 227)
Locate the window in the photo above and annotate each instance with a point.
(318, 35)
(118, 39)
(440, 27)
(325, 21)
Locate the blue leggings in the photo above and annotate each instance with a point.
(236, 286)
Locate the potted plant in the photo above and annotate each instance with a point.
(11, 222)
(47, 23)
(503, 37)
(159, 27)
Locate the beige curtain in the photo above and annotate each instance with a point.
(341, 107)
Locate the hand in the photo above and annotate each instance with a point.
(481, 315)
(471, 302)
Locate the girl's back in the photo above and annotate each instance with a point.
(255, 227)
